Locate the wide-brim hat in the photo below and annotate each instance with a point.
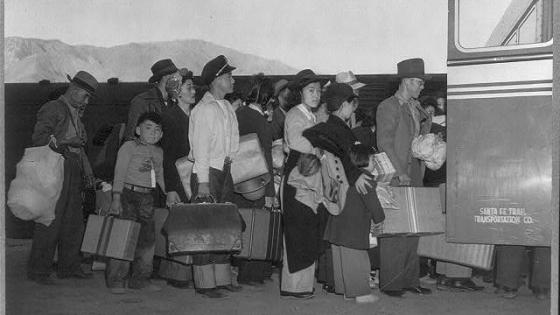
(85, 81)
(162, 68)
(279, 86)
(349, 78)
(305, 77)
(215, 68)
(412, 68)
(253, 189)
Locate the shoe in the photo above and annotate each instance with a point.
(230, 287)
(211, 293)
(370, 298)
(394, 293)
(509, 293)
(419, 290)
(328, 288)
(78, 274)
(180, 284)
(118, 290)
(427, 279)
(541, 294)
(297, 295)
(469, 285)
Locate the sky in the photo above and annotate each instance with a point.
(328, 36)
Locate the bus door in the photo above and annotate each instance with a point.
(499, 120)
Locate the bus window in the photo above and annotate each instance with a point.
(499, 23)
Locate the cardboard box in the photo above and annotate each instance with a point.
(472, 255)
(419, 212)
(111, 237)
(262, 239)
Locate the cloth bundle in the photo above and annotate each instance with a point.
(431, 149)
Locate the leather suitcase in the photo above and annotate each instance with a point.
(262, 239)
(472, 255)
(110, 237)
(419, 213)
(203, 228)
(160, 216)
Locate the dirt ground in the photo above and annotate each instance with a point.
(91, 297)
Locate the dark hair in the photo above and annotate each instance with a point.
(151, 116)
(360, 153)
(366, 116)
(427, 100)
(308, 164)
(234, 96)
(261, 91)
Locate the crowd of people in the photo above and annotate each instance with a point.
(326, 190)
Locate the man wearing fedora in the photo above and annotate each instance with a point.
(400, 118)
(59, 125)
(214, 139)
(164, 72)
(281, 94)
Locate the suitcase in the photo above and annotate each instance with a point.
(203, 228)
(111, 237)
(262, 239)
(472, 255)
(419, 212)
(160, 215)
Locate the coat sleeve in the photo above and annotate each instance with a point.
(373, 205)
(47, 120)
(137, 108)
(265, 138)
(171, 152)
(388, 118)
(201, 123)
(293, 131)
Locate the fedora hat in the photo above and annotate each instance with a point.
(305, 77)
(161, 68)
(412, 68)
(85, 81)
(215, 68)
(349, 78)
(279, 86)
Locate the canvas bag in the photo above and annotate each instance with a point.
(34, 192)
(249, 162)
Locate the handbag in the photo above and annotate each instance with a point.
(249, 162)
(34, 192)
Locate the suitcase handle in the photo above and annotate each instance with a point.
(209, 199)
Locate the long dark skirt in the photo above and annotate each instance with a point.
(302, 230)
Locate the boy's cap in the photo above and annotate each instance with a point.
(215, 68)
(336, 94)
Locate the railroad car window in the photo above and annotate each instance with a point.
(498, 23)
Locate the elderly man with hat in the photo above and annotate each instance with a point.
(400, 118)
(281, 94)
(164, 73)
(214, 139)
(59, 125)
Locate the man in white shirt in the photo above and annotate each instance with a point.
(214, 139)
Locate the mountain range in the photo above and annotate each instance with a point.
(32, 60)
